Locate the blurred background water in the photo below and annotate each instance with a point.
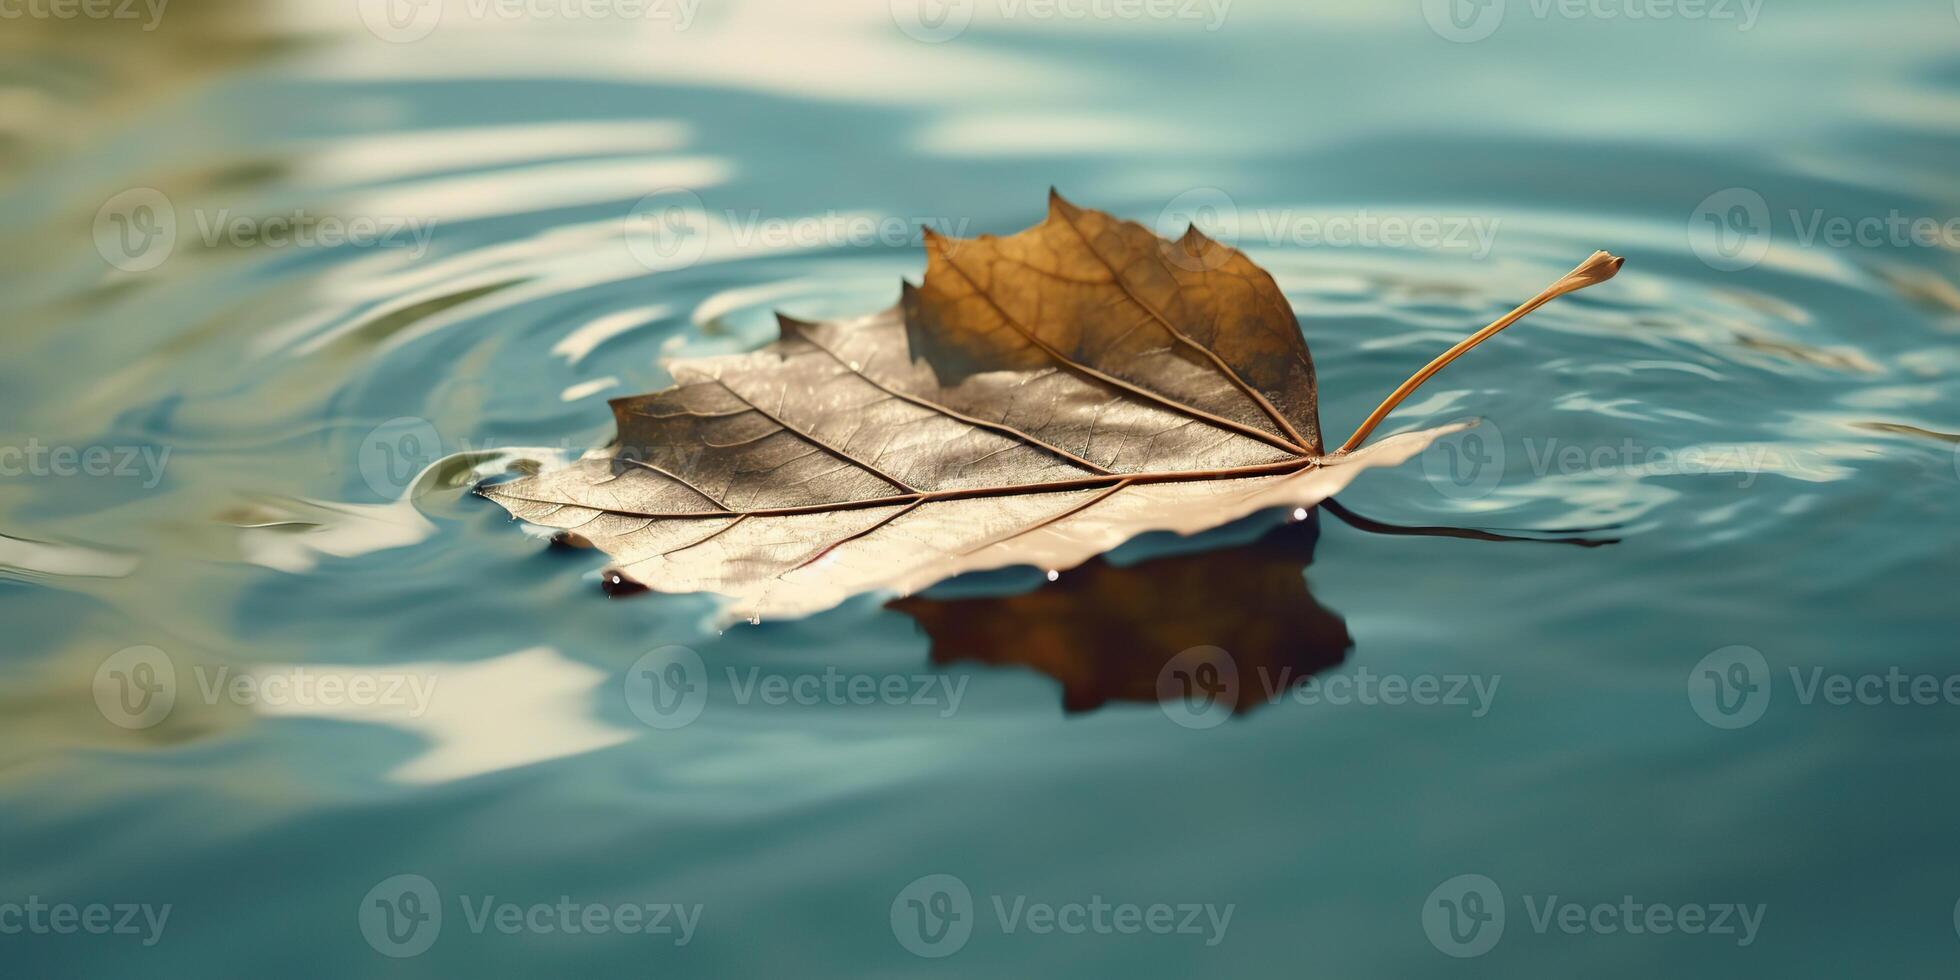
(282, 280)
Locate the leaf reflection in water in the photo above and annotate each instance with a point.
(1108, 632)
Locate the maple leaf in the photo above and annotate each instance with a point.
(1038, 399)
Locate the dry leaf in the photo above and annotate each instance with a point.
(1040, 399)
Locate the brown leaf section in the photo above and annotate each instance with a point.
(1040, 398)
(1191, 323)
(1118, 632)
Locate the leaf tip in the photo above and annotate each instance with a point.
(1057, 204)
(789, 327)
(1597, 268)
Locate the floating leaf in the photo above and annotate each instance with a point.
(1039, 399)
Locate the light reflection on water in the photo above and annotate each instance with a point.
(1815, 385)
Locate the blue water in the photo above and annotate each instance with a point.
(283, 437)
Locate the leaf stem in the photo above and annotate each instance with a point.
(1596, 269)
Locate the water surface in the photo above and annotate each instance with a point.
(283, 434)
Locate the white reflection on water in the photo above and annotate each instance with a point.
(847, 51)
(523, 707)
(393, 155)
(18, 554)
(292, 538)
